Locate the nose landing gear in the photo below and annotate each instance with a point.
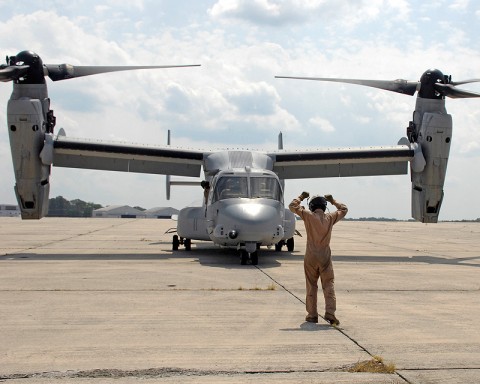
(245, 257)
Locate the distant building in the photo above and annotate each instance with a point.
(161, 212)
(119, 211)
(9, 210)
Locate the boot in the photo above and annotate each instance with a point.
(331, 319)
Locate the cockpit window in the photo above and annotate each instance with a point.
(228, 187)
(265, 187)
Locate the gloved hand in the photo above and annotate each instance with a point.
(304, 195)
(329, 198)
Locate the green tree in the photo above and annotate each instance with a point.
(61, 207)
(58, 206)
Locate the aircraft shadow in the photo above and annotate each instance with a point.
(217, 257)
(205, 255)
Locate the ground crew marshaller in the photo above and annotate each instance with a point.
(318, 257)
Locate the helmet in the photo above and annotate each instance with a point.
(317, 202)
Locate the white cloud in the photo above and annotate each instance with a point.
(253, 98)
(233, 99)
(459, 5)
(287, 12)
(321, 124)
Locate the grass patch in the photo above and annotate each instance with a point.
(375, 365)
(271, 287)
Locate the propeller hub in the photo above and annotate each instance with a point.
(428, 81)
(35, 72)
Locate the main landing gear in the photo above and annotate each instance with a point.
(290, 243)
(177, 241)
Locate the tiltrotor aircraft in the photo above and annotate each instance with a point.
(243, 204)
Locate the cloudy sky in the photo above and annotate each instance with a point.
(233, 99)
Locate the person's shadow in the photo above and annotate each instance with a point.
(310, 327)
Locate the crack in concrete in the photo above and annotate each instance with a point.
(156, 373)
(174, 372)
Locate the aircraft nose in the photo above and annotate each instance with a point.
(251, 214)
(249, 222)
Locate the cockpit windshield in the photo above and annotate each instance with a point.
(265, 187)
(229, 186)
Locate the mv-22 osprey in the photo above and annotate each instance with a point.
(243, 204)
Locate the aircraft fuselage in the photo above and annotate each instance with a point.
(243, 209)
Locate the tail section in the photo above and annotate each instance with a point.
(168, 178)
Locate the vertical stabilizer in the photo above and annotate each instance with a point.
(168, 177)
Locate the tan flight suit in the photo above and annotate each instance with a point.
(318, 258)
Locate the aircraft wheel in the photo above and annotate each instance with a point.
(188, 244)
(290, 244)
(254, 258)
(279, 245)
(175, 243)
(243, 257)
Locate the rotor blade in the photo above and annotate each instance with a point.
(399, 85)
(66, 71)
(453, 92)
(465, 82)
(12, 72)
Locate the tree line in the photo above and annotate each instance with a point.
(61, 207)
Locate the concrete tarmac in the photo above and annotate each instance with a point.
(108, 301)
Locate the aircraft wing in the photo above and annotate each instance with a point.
(342, 162)
(125, 157)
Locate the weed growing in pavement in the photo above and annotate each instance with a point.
(375, 365)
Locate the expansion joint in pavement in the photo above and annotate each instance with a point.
(156, 373)
(72, 237)
(341, 330)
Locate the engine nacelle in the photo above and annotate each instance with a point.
(434, 139)
(27, 128)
